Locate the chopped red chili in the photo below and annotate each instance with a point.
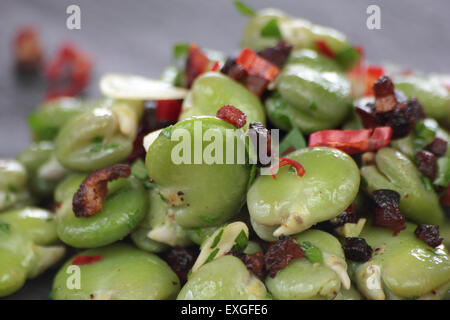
(325, 49)
(196, 64)
(387, 212)
(438, 147)
(373, 73)
(168, 110)
(257, 66)
(27, 50)
(357, 249)
(232, 115)
(352, 141)
(280, 253)
(429, 234)
(84, 260)
(288, 162)
(427, 164)
(215, 67)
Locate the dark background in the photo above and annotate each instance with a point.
(136, 37)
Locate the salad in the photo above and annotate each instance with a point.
(291, 170)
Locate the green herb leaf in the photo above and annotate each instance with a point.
(217, 239)
(240, 243)
(271, 30)
(97, 147)
(443, 173)
(97, 139)
(244, 9)
(167, 132)
(41, 130)
(212, 256)
(4, 227)
(427, 183)
(312, 253)
(209, 219)
(180, 50)
(347, 57)
(423, 135)
(293, 139)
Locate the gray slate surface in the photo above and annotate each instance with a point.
(136, 37)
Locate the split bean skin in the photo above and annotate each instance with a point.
(291, 204)
(304, 280)
(309, 99)
(402, 266)
(123, 273)
(28, 246)
(213, 90)
(395, 171)
(13, 185)
(123, 210)
(432, 94)
(200, 195)
(99, 137)
(213, 282)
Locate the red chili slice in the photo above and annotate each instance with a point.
(84, 260)
(168, 110)
(373, 73)
(232, 115)
(197, 63)
(324, 49)
(215, 67)
(352, 141)
(257, 66)
(288, 162)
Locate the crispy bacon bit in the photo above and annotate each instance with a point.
(27, 50)
(347, 216)
(277, 54)
(197, 63)
(257, 66)
(445, 198)
(68, 72)
(88, 200)
(324, 49)
(280, 253)
(438, 147)
(387, 212)
(233, 70)
(357, 249)
(84, 260)
(427, 164)
(429, 234)
(384, 91)
(54, 206)
(260, 136)
(288, 162)
(232, 115)
(352, 141)
(181, 261)
(256, 85)
(253, 262)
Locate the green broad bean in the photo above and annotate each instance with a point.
(198, 235)
(309, 99)
(213, 90)
(314, 60)
(350, 294)
(304, 279)
(396, 263)
(160, 224)
(394, 171)
(298, 32)
(143, 242)
(432, 94)
(13, 185)
(27, 246)
(46, 121)
(99, 137)
(292, 204)
(213, 282)
(123, 273)
(123, 210)
(200, 195)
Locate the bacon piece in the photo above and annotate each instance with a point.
(254, 262)
(85, 260)
(27, 50)
(181, 260)
(357, 249)
(385, 99)
(429, 234)
(438, 147)
(277, 54)
(427, 164)
(232, 115)
(387, 212)
(168, 110)
(347, 216)
(445, 197)
(197, 63)
(257, 66)
(88, 200)
(288, 162)
(280, 253)
(256, 85)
